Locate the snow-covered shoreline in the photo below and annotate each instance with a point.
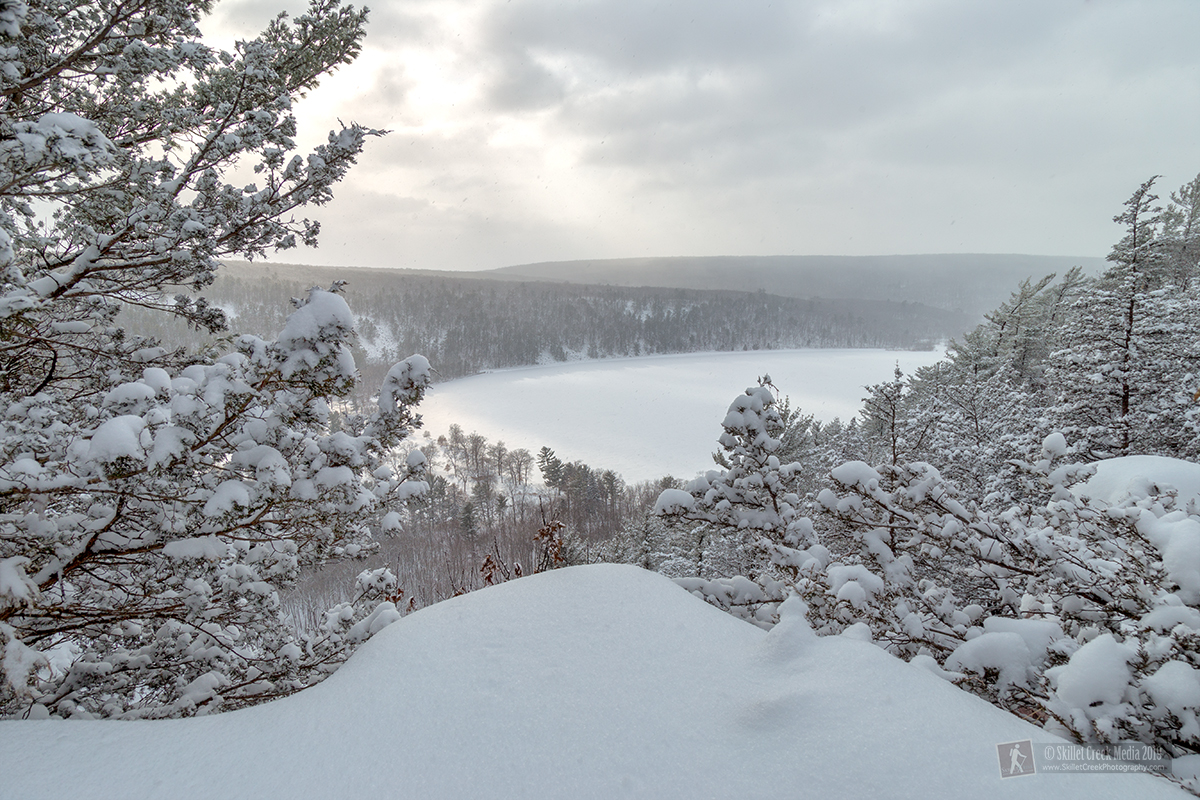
(653, 415)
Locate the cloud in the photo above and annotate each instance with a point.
(553, 129)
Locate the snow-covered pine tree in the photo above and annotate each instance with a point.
(650, 542)
(741, 515)
(151, 503)
(1181, 234)
(1127, 347)
(1017, 603)
(1021, 604)
(1077, 611)
(982, 403)
(893, 428)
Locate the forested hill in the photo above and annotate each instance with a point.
(467, 323)
(973, 283)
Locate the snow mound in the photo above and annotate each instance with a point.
(603, 681)
(1176, 534)
(1097, 674)
(1118, 479)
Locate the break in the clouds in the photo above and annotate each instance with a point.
(537, 130)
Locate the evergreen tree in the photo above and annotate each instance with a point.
(1181, 234)
(738, 517)
(1122, 371)
(999, 573)
(551, 467)
(151, 503)
(980, 406)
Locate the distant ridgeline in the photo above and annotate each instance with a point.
(468, 322)
(974, 283)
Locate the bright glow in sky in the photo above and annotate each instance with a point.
(537, 130)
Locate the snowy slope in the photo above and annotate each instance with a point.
(602, 681)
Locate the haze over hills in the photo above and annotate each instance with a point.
(970, 283)
(466, 322)
(973, 283)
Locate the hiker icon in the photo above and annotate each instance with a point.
(1016, 758)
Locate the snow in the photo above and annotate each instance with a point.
(409, 490)
(648, 417)
(1175, 534)
(1176, 687)
(333, 477)
(15, 586)
(383, 615)
(1004, 651)
(1119, 478)
(204, 687)
(672, 501)
(18, 664)
(227, 495)
(1178, 539)
(157, 379)
(119, 437)
(64, 136)
(128, 394)
(1098, 673)
(853, 593)
(170, 442)
(381, 343)
(1054, 445)
(856, 473)
(208, 548)
(302, 337)
(866, 583)
(1164, 618)
(74, 326)
(1037, 634)
(1187, 766)
(602, 681)
(402, 380)
(269, 464)
(323, 309)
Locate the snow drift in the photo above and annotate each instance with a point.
(602, 681)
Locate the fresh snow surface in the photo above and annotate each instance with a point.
(592, 682)
(1176, 535)
(1118, 478)
(648, 417)
(119, 437)
(1098, 672)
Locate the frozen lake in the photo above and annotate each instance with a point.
(652, 416)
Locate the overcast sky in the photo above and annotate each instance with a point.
(546, 130)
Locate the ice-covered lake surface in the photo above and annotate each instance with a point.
(651, 416)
